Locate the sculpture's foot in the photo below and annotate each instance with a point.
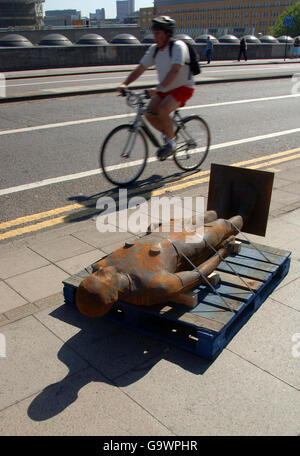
(234, 247)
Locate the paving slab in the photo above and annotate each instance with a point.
(66, 322)
(109, 248)
(79, 262)
(39, 283)
(20, 312)
(230, 396)
(31, 362)
(110, 348)
(61, 248)
(3, 320)
(292, 217)
(20, 261)
(294, 247)
(294, 273)
(266, 340)
(291, 173)
(82, 404)
(275, 206)
(292, 188)
(289, 295)
(100, 240)
(279, 182)
(52, 300)
(279, 233)
(51, 233)
(283, 196)
(9, 298)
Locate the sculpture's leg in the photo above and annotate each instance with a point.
(197, 221)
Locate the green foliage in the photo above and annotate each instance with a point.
(279, 29)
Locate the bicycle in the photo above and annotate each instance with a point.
(124, 153)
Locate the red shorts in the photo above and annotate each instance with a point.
(182, 94)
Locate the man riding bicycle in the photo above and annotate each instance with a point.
(175, 80)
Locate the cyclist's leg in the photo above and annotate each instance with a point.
(165, 108)
(152, 113)
(168, 105)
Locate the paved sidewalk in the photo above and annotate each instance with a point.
(119, 68)
(65, 374)
(203, 78)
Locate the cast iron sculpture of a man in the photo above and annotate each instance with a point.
(157, 267)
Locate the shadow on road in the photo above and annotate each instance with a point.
(143, 188)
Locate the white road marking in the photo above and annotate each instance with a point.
(122, 116)
(55, 180)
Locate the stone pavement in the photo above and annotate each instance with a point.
(203, 78)
(118, 68)
(64, 374)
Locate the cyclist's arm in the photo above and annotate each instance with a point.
(133, 76)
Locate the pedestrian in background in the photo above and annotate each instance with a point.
(296, 50)
(243, 49)
(208, 49)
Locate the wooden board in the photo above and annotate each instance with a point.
(207, 328)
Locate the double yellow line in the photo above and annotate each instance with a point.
(267, 163)
(88, 208)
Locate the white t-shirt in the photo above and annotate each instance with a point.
(163, 63)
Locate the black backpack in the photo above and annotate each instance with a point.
(194, 65)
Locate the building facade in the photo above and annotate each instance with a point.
(99, 15)
(17, 13)
(122, 9)
(61, 17)
(125, 8)
(131, 7)
(217, 17)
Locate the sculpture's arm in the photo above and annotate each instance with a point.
(168, 285)
(190, 279)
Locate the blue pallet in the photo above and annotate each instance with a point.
(208, 327)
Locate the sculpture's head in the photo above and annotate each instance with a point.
(97, 293)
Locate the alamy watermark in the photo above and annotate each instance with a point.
(2, 346)
(296, 346)
(2, 86)
(137, 214)
(296, 84)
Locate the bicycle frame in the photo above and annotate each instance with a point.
(138, 131)
(139, 122)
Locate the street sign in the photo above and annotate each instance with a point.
(288, 21)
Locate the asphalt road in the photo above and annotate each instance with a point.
(248, 120)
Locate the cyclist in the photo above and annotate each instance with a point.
(175, 80)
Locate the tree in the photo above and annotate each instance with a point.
(279, 29)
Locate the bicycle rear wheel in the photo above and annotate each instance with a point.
(123, 155)
(193, 141)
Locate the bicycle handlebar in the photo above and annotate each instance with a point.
(128, 93)
(134, 98)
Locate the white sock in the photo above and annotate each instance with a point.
(172, 142)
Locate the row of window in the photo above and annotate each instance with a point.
(227, 16)
(227, 7)
(227, 24)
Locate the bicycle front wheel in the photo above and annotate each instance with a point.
(193, 141)
(123, 155)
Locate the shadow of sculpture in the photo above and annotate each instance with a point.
(103, 351)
